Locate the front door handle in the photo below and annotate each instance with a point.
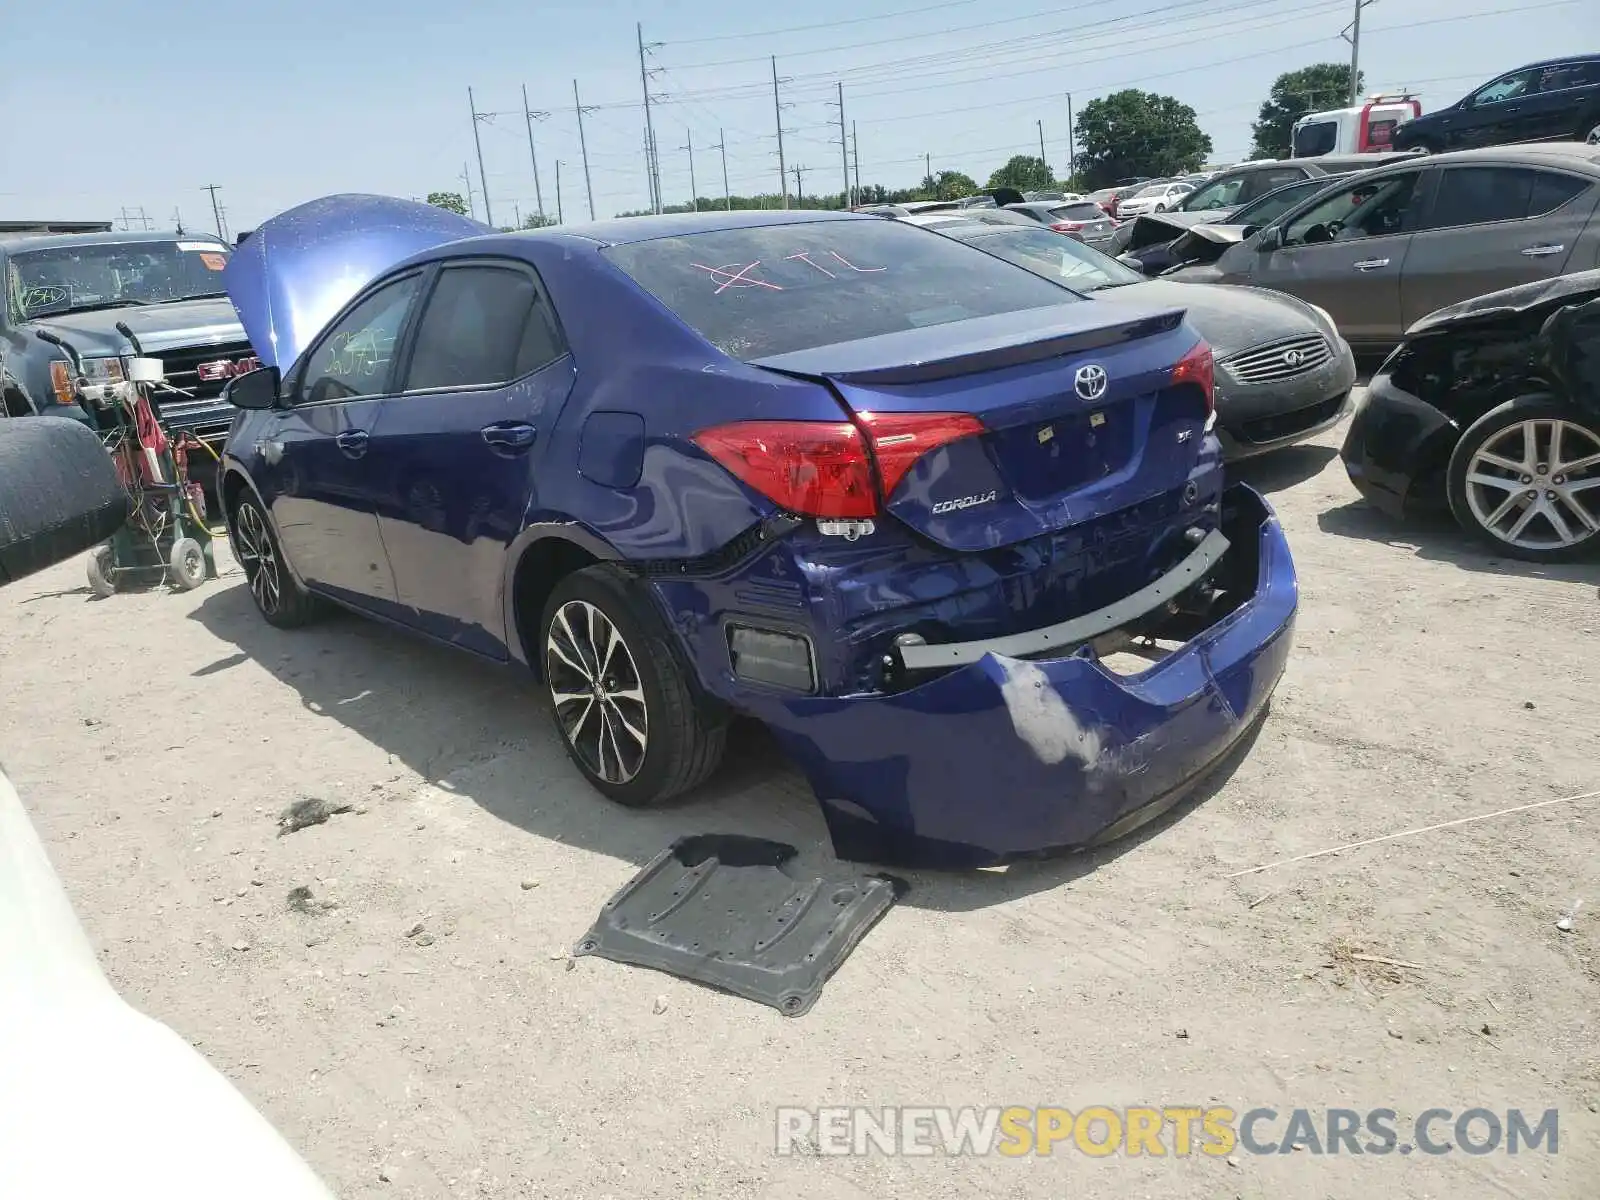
(1372, 264)
(1542, 251)
(509, 437)
(352, 443)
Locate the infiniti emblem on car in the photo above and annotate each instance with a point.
(1292, 358)
(1090, 382)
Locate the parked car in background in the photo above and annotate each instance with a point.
(1366, 128)
(1283, 372)
(1238, 186)
(1492, 406)
(819, 468)
(1083, 219)
(69, 292)
(1386, 248)
(1153, 198)
(1553, 101)
(1056, 197)
(1110, 198)
(1161, 242)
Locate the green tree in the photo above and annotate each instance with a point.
(1137, 133)
(450, 201)
(1293, 95)
(1025, 173)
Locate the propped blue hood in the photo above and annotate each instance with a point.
(294, 273)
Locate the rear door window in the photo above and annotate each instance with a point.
(1481, 195)
(484, 325)
(766, 290)
(1561, 76)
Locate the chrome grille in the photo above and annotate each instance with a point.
(1282, 359)
(182, 366)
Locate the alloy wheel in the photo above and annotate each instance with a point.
(1536, 484)
(253, 547)
(597, 692)
(1594, 137)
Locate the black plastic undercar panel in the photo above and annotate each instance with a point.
(726, 910)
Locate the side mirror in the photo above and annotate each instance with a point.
(59, 494)
(256, 389)
(1271, 239)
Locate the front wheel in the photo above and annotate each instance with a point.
(186, 565)
(279, 598)
(1525, 479)
(624, 707)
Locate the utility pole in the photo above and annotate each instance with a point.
(1042, 156)
(651, 165)
(855, 152)
(560, 219)
(844, 148)
(516, 214)
(777, 114)
(927, 169)
(530, 116)
(177, 221)
(466, 178)
(222, 214)
(1352, 34)
(583, 146)
(799, 190)
(727, 196)
(215, 211)
(694, 191)
(483, 176)
(1072, 149)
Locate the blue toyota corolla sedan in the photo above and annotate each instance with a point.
(895, 497)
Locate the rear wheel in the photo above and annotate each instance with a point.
(1525, 478)
(279, 598)
(625, 709)
(186, 565)
(102, 572)
(1592, 137)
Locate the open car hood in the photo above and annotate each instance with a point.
(295, 272)
(1562, 290)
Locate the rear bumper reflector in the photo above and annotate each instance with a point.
(1079, 629)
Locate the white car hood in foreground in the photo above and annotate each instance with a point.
(97, 1100)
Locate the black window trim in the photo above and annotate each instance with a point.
(1437, 171)
(292, 387)
(499, 262)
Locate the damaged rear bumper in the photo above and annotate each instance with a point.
(1007, 758)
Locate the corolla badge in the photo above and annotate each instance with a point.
(1090, 382)
(947, 506)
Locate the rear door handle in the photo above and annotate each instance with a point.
(352, 442)
(1372, 264)
(1542, 251)
(509, 437)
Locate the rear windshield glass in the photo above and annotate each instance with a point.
(1078, 212)
(776, 289)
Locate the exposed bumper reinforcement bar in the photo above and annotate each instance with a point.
(1079, 629)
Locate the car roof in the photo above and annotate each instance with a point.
(621, 231)
(1529, 153)
(134, 237)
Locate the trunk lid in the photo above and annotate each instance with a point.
(1080, 413)
(296, 271)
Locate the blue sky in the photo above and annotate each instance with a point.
(145, 105)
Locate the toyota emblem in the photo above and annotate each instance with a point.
(1293, 358)
(1090, 382)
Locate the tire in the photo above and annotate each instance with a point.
(1589, 131)
(278, 597)
(1513, 501)
(102, 573)
(186, 565)
(59, 494)
(656, 738)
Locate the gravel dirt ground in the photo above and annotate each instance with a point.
(156, 737)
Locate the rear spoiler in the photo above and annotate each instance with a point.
(967, 347)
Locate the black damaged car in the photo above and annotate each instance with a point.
(1492, 407)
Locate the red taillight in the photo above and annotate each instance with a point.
(1067, 226)
(899, 439)
(1197, 366)
(822, 468)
